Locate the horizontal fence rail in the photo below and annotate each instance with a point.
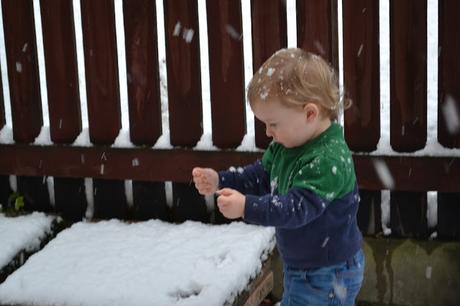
(383, 147)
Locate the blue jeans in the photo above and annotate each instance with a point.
(332, 285)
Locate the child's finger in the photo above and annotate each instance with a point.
(196, 172)
(224, 192)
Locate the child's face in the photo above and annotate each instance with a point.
(289, 126)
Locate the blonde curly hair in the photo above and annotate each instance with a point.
(297, 77)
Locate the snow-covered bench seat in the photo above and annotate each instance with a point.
(146, 263)
(21, 236)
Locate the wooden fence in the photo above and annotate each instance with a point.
(317, 31)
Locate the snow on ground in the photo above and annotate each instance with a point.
(146, 263)
(22, 233)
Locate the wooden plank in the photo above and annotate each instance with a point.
(369, 213)
(183, 68)
(317, 28)
(408, 87)
(188, 204)
(101, 67)
(449, 70)
(70, 198)
(23, 75)
(408, 215)
(226, 72)
(362, 73)
(5, 190)
(2, 106)
(142, 70)
(150, 201)
(35, 192)
(258, 288)
(409, 172)
(109, 199)
(448, 212)
(61, 70)
(269, 34)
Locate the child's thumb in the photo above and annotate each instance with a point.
(224, 192)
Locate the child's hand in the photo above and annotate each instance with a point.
(206, 180)
(231, 203)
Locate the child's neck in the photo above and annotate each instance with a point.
(322, 125)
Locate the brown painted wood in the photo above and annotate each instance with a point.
(409, 172)
(448, 212)
(109, 199)
(226, 72)
(142, 71)
(269, 34)
(183, 67)
(2, 106)
(150, 201)
(101, 67)
(408, 215)
(61, 70)
(370, 214)
(188, 204)
(362, 73)
(70, 198)
(258, 288)
(23, 75)
(5, 190)
(34, 189)
(408, 51)
(317, 28)
(449, 70)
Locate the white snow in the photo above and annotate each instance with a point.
(22, 233)
(113, 263)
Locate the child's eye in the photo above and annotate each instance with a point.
(272, 125)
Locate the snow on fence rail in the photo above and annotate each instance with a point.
(93, 80)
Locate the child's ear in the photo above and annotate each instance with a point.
(311, 111)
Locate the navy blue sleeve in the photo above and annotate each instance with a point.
(295, 209)
(251, 179)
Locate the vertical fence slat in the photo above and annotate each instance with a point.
(269, 34)
(5, 190)
(99, 40)
(408, 215)
(61, 70)
(183, 67)
(317, 28)
(188, 204)
(362, 73)
(2, 105)
(101, 67)
(70, 198)
(109, 199)
(35, 192)
(23, 75)
(369, 213)
(408, 88)
(448, 212)
(449, 71)
(144, 99)
(226, 72)
(150, 201)
(142, 71)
